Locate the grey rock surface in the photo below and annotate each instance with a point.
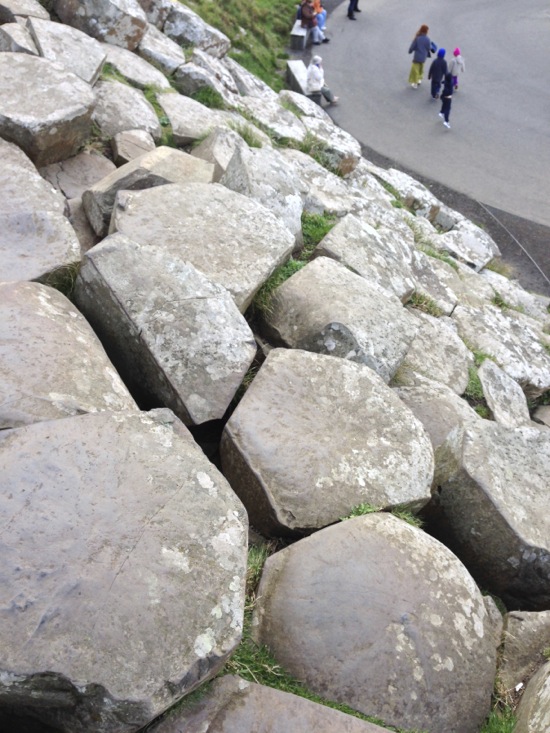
(86, 236)
(438, 353)
(120, 22)
(73, 176)
(139, 72)
(272, 116)
(108, 538)
(173, 334)
(378, 255)
(10, 9)
(120, 107)
(131, 144)
(234, 241)
(188, 29)
(513, 342)
(503, 395)
(52, 365)
(404, 629)
(154, 168)
(44, 108)
(15, 38)
(35, 236)
(191, 120)
(156, 10)
(345, 437)
(263, 175)
(525, 639)
(218, 148)
(533, 712)
(160, 51)
(234, 705)
(495, 510)
(435, 279)
(71, 48)
(328, 309)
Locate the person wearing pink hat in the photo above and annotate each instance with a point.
(457, 66)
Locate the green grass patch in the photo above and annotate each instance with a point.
(500, 720)
(399, 511)
(151, 95)
(247, 133)
(209, 97)
(111, 73)
(316, 149)
(499, 266)
(474, 394)
(63, 278)
(424, 303)
(291, 107)
(259, 33)
(314, 228)
(436, 254)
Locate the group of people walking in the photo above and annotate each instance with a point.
(440, 73)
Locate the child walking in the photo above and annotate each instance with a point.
(457, 66)
(446, 99)
(438, 69)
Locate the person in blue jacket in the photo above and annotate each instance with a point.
(421, 47)
(446, 99)
(436, 74)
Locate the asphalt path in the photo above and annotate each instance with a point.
(494, 164)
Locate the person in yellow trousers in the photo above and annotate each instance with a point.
(421, 48)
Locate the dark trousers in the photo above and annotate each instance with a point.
(352, 7)
(446, 108)
(436, 88)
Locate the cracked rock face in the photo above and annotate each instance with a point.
(124, 557)
(404, 627)
(120, 22)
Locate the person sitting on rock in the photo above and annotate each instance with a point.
(315, 83)
(309, 20)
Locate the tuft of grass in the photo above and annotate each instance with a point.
(397, 202)
(425, 304)
(500, 720)
(98, 143)
(499, 301)
(546, 653)
(314, 228)
(443, 256)
(111, 73)
(63, 278)
(316, 149)
(262, 300)
(546, 346)
(499, 266)
(247, 133)
(167, 134)
(400, 512)
(209, 97)
(291, 107)
(474, 394)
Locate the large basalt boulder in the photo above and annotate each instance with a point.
(533, 712)
(109, 535)
(341, 151)
(160, 51)
(503, 395)
(155, 168)
(190, 78)
(52, 364)
(218, 148)
(438, 353)
(71, 48)
(247, 83)
(436, 279)
(412, 193)
(378, 255)
(328, 309)
(173, 334)
(156, 10)
(512, 341)
(130, 144)
(188, 29)
(342, 438)
(494, 503)
(35, 236)
(234, 241)
(120, 22)
(44, 109)
(120, 107)
(515, 296)
(400, 619)
(139, 72)
(469, 243)
(263, 175)
(233, 704)
(273, 117)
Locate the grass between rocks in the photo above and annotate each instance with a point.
(259, 33)
(400, 512)
(314, 228)
(424, 303)
(500, 720)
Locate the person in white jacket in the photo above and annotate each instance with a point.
(315, 82)
(457, 66)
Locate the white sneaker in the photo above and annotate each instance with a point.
(441, 115)
(446, 124)
(414, 86)
(420, 82)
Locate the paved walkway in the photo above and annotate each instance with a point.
(494, 164)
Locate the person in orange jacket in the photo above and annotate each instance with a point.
(321, 14)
